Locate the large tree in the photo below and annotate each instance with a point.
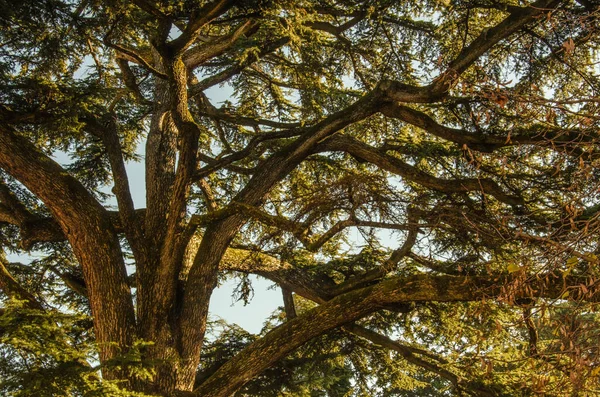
(420, 178)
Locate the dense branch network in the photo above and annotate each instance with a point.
(491, 184)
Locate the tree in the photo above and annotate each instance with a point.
(420, 178)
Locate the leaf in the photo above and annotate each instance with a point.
(569, 46)
(572, 261)
(500, 98)
(513, 268)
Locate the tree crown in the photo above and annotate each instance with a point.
(420, 178)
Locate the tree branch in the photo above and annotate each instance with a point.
(13, 289)
(409, 353)
(202, 53)
(359, 303)
(535, 134)
(400, 92)
(233, 70)
(392, 164)
(221, 114)
(305, 284)
(226, 161)
(518, 18)
(89, 230)
(198, 19)
(47, 230)
(387, 266)
(13, 208)
(288, 304)
(107, 131)
(129, 80)
(133, 56)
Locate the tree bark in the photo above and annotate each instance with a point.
(356, 304)
(87, 226)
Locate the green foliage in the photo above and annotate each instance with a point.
(523, 117)
(318, 369)
(48, 353)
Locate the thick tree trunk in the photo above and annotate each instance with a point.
(87, 226)
(154, 322)
(202, 280)
(168, 181)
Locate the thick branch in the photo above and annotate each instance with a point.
(356, 304)
(202, 53)
(89, 230)
(129, 80)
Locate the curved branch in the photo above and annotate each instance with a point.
(201, 53)
(318, 289)
(359, 303)
(133, 56)
(89, 230)
(392, 164)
